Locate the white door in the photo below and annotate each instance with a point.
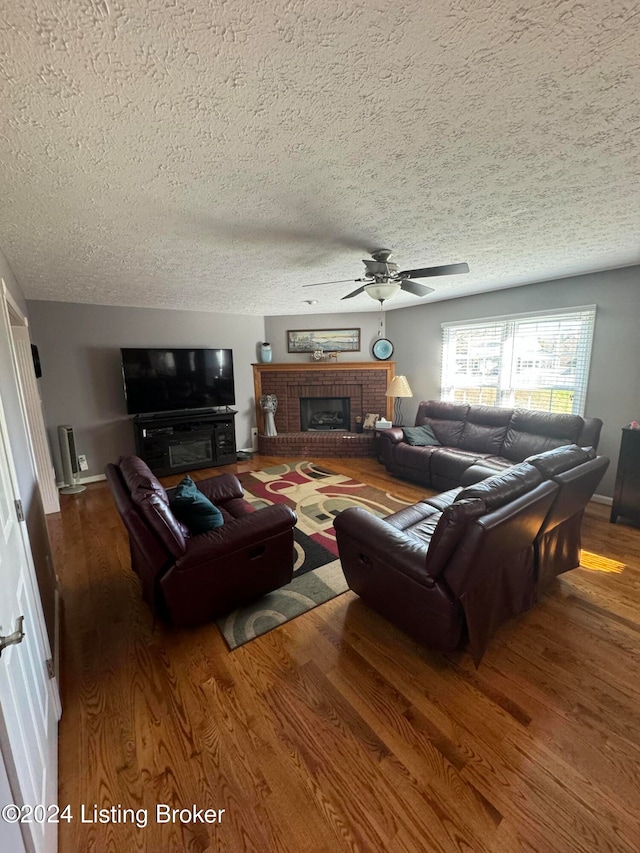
(35, 419)
(28, 698)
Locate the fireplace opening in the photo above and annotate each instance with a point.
(324, 413)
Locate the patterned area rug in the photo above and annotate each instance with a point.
(317, 496)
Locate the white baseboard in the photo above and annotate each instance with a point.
(96, 478)
(602, 499)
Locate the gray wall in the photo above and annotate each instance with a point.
(614, 379)
(81, 378)
(81, 382)
(276, 332)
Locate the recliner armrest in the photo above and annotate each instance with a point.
(382, 541)
(246, 532)
(394, 434)
(222, 488)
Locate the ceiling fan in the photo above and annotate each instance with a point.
(383, 279)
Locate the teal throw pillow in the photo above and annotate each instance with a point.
(420, 436)
(194, 509)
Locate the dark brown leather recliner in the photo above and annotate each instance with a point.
(191, 579)
(467, 560)
(558, 544)
(456, 565)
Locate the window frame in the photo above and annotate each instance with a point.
(502, 332)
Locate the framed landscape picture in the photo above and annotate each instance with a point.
(324, 340)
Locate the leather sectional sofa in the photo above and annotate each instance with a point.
(470, 435)
(457, 565)
(190, 579)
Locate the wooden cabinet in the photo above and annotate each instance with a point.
(626, 499)
(173, 443)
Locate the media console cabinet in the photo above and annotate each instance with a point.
(626, 497)
(177, 442)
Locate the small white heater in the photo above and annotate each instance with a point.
(69, 457)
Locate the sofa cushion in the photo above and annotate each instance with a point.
(535, 432)
(485, 429)
(424, 530)
(444, 499)
(420, 436)
(449, 533)
(410, 516)
(477, 472)
(504, 487)
(451, 462)
(194, 509)
(498, 463)
(558, 460)
(415, 458)
(140, 478)
(446, 420)
(236, 508)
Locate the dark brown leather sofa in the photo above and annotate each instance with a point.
(496, 438)
(458, 565)
(191, 579)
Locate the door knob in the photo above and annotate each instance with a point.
(13, 639)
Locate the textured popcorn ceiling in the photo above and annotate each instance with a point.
(219, 155)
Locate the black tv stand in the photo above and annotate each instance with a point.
(187, 413)
(174, 442)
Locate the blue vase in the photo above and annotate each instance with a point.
(265, 353)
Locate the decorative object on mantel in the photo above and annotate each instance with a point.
(398, 388)
(324, 340)
(319, 355)
(269, 404)
(370, 421)
(265, 353)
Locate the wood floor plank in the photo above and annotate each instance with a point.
(336, 732)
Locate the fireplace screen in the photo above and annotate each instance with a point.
(324, 413)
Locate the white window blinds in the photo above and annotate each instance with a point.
(528, 361)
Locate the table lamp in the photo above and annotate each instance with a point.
(398, 388)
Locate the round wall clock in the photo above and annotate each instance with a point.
(382, 349)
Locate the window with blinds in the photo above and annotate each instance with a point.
(526, 361)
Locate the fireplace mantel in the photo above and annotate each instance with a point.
(363, 382)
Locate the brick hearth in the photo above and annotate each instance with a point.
(364, 383)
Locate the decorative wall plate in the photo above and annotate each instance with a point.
(382, 349)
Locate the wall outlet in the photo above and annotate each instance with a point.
(82, 463)
(254, 438)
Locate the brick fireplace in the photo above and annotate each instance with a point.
(363, 384)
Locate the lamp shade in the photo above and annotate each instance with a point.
(381, 290)
(399, 387)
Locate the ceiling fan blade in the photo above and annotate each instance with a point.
(415, 288)
(427, 272)
(341, 281)
(354, 292)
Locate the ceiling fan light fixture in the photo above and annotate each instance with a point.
(380, 291)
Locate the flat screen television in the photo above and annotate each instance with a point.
(167, 380)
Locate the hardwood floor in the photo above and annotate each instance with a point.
(335, 731)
